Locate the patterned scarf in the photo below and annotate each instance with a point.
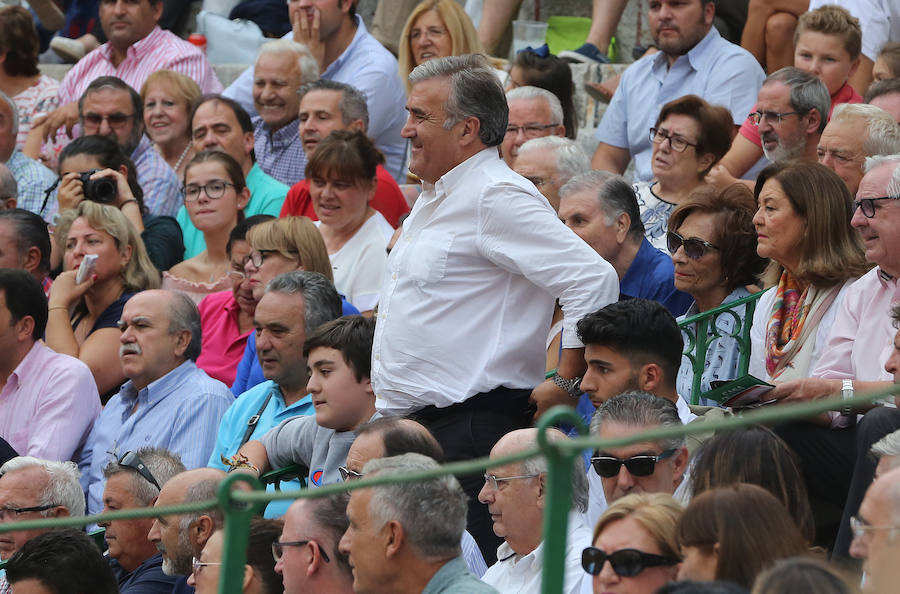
(789, 313)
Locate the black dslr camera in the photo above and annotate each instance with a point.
(101, 190)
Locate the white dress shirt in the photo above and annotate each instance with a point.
(470, 286)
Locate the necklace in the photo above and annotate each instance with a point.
(184, 153)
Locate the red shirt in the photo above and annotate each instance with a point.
(388, 199)
(222, 344)
(845, 94)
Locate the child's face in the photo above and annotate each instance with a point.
(825, 57)
(881, 70)
(341, 402)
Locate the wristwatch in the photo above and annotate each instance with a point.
(847, 394)
(571, 386)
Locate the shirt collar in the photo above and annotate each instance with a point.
(345, 55)
(461, 172)
(697, 56)
(287, 134)
(139, 48)
(157, 389)
(24, 368)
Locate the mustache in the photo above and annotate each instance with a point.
(131, 348)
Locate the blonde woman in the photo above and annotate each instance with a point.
(168, 97)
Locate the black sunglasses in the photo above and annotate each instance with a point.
(644, 465)
(625, 562)
(133, 461)
(693, 248)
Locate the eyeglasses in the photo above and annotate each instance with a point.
(530, 131)
(625, 562)
(133, 461)
(694, 248)
(867, 205)
(495, 481)
(678, 143)
(257, 257)
(6, 512)
(430, 32)
(860, 527)
(278, 548)
(644, 465)
(214, 189)
(197, 565)
(537, 181)
(115, 120)
(349, 475)
(773, 117)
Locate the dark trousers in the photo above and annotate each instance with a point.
(827, 457)
(469, 430)
(874, 425)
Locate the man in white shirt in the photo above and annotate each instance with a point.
(468, 295)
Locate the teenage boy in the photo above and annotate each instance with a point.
(338, 358)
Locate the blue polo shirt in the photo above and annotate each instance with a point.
(652, 276)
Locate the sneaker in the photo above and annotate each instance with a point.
(586, 54)
(70, 50)
(49, 14)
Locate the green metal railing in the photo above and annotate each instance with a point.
(239, 505)
(703, 328)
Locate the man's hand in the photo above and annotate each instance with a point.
(66, 115)
(547, 395)
(811, 388)
(308, 33)
(720, 177)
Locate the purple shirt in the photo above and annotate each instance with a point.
(48, 405)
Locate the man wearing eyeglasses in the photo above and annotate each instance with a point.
(876, 534)
(515, 495)
(533, 113)
(549, 163)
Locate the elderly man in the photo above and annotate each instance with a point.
(25, 244)
(307, 556)
(693, 59)
(886, 95)
(856, 131)
(876, 534)
(393, 547)
(790, 114)
(48, 401)
(533, 113)
(222, 124)
(281, 67)
(180, 538)
(9, 189)
(326, 106)
(111, 108)
(516, 496)
(347, 53)
(31, 488)
(32, 178)
(601, 208)
(134, 481)
(167, 402)
(549, 163)
(466, 252)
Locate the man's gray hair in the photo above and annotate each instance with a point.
(203, 490)
(538, 465)
(885, 86)
(639, 409)
(893, 187)
(614, 194)
(63, 486)
(160, 463)
(571, 160)
(475, 91)
(807, 92)
(309, 68)
(184, 315)
(13, 111)
(353, 101)
(321, 300)
(8, 186)
(529, 92)
(889, 446)
(432, 512)
(882, 132)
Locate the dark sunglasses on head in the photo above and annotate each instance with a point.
(625, 562)
(693, 248)
(133, 461)
(643, 465)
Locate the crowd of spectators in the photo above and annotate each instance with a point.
(361, 263)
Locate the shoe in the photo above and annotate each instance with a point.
(49, 14)
(586, 54)
(70, 50)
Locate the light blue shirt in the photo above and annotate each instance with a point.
(369, 67)
(180, 412)
(162, 190)
(234, 425)
(33, 180)
(718, 71)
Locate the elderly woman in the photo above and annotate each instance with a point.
(635, 548)
(689, 137)
(167, 97)
(803, 226)
(713, 245)
(83, 316)
(33, 93)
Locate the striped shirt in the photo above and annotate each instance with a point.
(162, 190)
(33, 180)
(280, 153)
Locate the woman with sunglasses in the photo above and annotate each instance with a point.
(733, 533)
(689, 137)
(215, 195)
(713, 245)
(635, 548)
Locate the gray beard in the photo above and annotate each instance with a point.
(784, 153)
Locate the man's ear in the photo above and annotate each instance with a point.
(9, 203)
(182, 341)
(24, 328)
(60, 512)
(679, 465)
(157, 10)
(394, 538)
(650, 377)
(316, 562)
(199, 531)
(357, 126)
(471, 126)
(815, 120)
(623, 223)
(249, 574)
(542, 490)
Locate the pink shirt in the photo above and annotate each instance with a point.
(48, 405)
(157, 51)
(863, 314)
(223, 344)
